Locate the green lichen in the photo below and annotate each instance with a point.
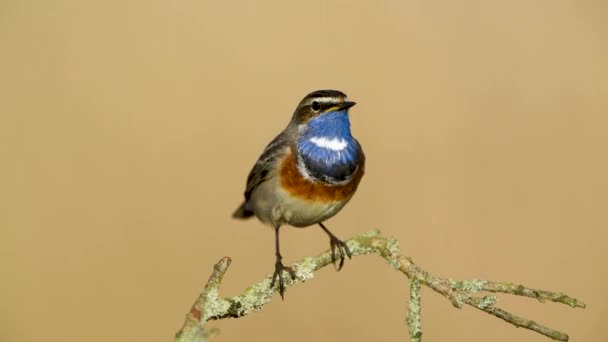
(458, 300)
(305, 269)
(213, 305)
(392, 245)
(359, 246)
(487, 301)
(414, 321)
(365, 243)
(254, 298)
(469, 286)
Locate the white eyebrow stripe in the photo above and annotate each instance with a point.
(334, 144)
(326, 99)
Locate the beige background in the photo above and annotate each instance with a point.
(128, 129)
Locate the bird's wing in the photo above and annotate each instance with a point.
(263, 166)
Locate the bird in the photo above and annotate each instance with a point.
(307, 174)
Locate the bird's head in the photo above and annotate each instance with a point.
(319, 104)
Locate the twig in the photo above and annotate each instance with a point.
(210, 307)
(413, 313)
(193, 329)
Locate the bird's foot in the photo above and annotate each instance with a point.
(342, 248)
(278, 274)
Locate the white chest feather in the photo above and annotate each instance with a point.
(333, 143)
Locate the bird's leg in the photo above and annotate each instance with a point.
(279, 267)
(334, 243)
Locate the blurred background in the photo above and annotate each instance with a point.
(127, 130)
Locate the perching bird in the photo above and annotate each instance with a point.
(307, 173)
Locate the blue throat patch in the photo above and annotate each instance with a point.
(326, 162)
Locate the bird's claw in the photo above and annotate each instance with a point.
(278, 273)
(343, 251)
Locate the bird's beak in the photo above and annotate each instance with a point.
(346, 105)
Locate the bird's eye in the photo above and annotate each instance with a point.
(315, 106)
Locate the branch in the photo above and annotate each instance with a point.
(413, 314)
(460, 293)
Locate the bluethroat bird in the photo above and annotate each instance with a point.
(307, 173)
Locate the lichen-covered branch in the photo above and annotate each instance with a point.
(193, 329)
(413, 313)
(209, 306)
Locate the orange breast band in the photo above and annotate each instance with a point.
(293, 182)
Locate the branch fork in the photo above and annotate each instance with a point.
(209, 306)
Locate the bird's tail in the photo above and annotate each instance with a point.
(243, 212)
